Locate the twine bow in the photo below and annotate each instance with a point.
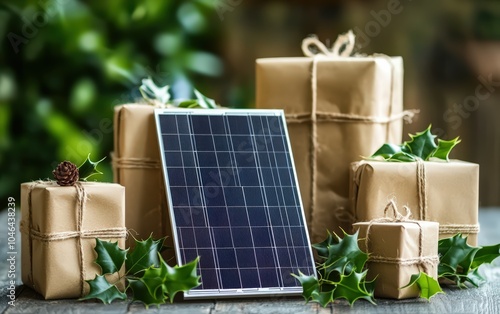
(342, 47)
(421, 261)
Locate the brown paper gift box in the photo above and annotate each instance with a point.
(137, 166)
(357, 107)
(449, 193)
(398, 241)
(58, 252)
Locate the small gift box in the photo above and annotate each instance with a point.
(59, 226)
(398, 248)
(338, 107)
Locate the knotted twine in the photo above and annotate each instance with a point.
(421, 261)
(342, 47)
(79, 234)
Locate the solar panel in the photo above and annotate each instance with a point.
(234, 200)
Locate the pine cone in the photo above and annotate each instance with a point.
(66, 173)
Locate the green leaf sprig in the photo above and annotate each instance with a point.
(459, 262)
(153, 93)
(340, 274)
(420, 146)
(151, 280)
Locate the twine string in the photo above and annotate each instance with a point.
(422, 189)
(135, 163)
(314, 135)
(82, 199)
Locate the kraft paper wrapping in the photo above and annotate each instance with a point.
(399, 243)
(449, 193)
(137, 166)
(351, 107)
(52, 262)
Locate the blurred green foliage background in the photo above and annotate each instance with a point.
(64, 65)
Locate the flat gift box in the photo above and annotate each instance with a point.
(59, 226)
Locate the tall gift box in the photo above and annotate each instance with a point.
(338, 108)
(137, 166)
(446, 192)
(398, 248)
(59, 226)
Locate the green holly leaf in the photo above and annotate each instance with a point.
(102, 290)
(323, 297)
(88, 168)
(345, 256)
(387, 150)
(322, 247)
(455, 255)
(310, 285)
(151, 92)
(352, 288)
(155, 277)
(340, 274)
(144, 255)
(142, 294)
(189, 104)
(459, 262)
(402, 157)
(204, 101)
(444, 147)
(110, 257)
(486, 255)
(181, 278)
(427, 285)
(421, 144)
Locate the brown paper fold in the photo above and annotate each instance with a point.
(398, 240)
(137, 166)
(451, 193)
(52, 263)
(338, 109)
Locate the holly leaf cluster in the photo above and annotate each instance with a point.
(148, 277)
(459, 262)
(340, 274)
(420, 146)
(154, 94)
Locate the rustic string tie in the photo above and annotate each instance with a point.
(134, 163)
(421, 261)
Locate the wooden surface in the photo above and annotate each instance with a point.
(485, 299)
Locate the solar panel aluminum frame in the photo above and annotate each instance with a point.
(230, 293)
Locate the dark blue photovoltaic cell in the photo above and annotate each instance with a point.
(234, 198)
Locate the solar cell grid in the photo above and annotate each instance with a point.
(234, 200)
